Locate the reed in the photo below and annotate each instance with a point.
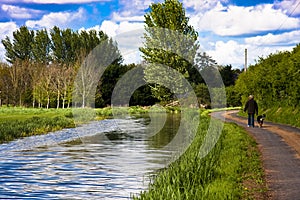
(222, 174)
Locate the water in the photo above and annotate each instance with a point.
(95, 161)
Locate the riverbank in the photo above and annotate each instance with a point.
(18, 122)
(232, 170)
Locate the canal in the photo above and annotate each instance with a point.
(107, 159)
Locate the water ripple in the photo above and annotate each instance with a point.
(94, 161)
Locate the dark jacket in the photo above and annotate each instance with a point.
(251, 106)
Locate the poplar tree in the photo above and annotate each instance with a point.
(169, 41)
(41, 47)
(20, 47)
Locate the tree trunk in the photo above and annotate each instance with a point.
(48, 102)
(58, 97)
(64, 99)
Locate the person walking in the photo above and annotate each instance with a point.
(252, 108)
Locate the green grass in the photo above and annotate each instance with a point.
(231, 170)
(19, 113)
(282, 115)
(16, 122)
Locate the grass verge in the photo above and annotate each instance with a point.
(282, 115)
(231, 170)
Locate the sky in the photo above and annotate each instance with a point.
(226, 27)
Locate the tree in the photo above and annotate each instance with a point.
(104, 56)
(169, 41)
(57, 45)
(41, 47)
(273, 80)
(42, 67)
(5, 84)
(228, 75)
(20, 47)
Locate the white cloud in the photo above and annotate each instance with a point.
(136, 6)
(291, 7)
(237, 20)
(60, 19)
(64, 1)
(6, 29)
(112, 28)
(230, 52)
(20, 13)
(233, 53)
(132, 10)
(288, 38)
(126, 16)
(202, 5)
(128, 36)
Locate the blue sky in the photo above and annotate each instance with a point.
(225, 27)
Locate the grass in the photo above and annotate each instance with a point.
(18, 122)
(282, 115)
(231, 170)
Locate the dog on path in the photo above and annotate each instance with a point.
(260, 120)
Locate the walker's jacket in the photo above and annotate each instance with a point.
(251, 106)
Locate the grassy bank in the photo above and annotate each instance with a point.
(18, 122)
(282, 115)
(232, 170)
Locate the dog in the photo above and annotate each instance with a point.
(260, 120)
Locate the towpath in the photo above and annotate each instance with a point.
(280, 148)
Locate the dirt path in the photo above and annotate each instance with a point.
(280, 149)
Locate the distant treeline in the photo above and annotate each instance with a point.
(41, 67)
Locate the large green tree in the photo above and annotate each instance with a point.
(21, 46)
(169, 41)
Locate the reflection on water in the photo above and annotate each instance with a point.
(103, 164)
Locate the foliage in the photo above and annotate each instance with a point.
(232, 96)
(229, 75)
(21, 48)
(164, 45)
(274, 81)
(108, 81)
(43, 65)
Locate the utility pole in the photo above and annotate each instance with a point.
(245, 67)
